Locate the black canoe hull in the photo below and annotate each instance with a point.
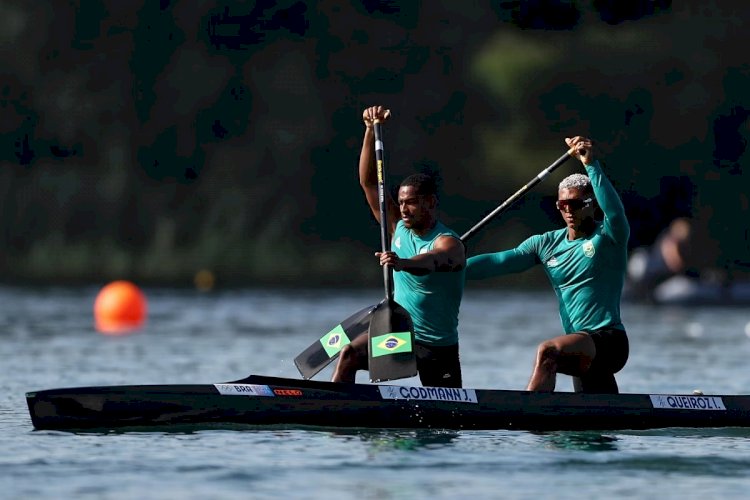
(266, 401)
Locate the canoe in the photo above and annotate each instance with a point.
(261, 401)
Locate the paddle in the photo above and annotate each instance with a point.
(324, 350)
(391, 342)
(507, 203)
(327, 348)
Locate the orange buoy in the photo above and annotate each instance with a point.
(204, 280)
(120, 308)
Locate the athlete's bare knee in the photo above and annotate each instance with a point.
(347, 354)
(547, 352)
(545, 369)
(346, 368)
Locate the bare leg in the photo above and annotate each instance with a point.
(570, 354)
(352, 358)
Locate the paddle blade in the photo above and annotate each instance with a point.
(391, 343)
(327, 348)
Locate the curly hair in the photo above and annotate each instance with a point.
(579, 181)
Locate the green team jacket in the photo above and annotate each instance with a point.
(587, 274)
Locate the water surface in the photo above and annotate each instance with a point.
(48, 341)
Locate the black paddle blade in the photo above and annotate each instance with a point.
(327, 348)
(391, 343)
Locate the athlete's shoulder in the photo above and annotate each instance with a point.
(442, 230)
(552, 236)
(538, 242)
(556, 234)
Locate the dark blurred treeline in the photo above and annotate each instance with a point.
(153, 139)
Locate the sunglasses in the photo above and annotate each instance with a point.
(573, 204)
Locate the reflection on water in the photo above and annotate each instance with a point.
(403, 439)
(695, 433)
(583, 441)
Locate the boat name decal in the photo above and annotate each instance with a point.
(243, 390)
(681, 402)
(428, 393)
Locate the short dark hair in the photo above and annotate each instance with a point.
(424, 184)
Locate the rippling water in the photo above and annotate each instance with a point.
(47, 341)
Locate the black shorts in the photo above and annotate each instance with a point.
(612, 351)
(438, 366)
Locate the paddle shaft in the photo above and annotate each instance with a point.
(391, 331)
(507, 203)
(384, 230)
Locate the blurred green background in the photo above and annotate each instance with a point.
(152, 139)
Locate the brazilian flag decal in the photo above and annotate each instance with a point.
(334, 341)
(390, 343)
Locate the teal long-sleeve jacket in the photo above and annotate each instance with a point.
(587, 274)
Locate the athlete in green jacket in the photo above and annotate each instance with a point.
(585, 263)
(429, 263)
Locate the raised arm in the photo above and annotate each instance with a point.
(615, 221)
(368, 175)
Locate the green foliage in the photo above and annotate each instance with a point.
(154, 139)
(509, 63)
